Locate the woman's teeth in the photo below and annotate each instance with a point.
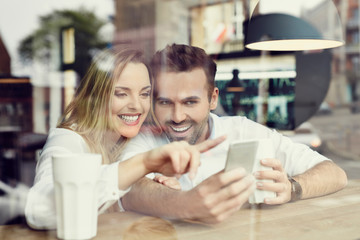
(129, 118)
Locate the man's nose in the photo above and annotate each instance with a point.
(178, 114)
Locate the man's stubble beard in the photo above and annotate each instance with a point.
(194, 136)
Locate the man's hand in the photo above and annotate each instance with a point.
(281, 185)
(218, 197)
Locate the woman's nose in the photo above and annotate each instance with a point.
(134, 102)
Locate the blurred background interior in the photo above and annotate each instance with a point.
(46, 46)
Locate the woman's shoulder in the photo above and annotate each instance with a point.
(62, 132)
(64, 137)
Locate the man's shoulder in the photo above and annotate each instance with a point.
(228, 121)
(232, 126)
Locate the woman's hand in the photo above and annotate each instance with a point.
(170, 182)
(178, 157)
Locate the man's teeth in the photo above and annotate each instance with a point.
(182, 129)
(129, 118)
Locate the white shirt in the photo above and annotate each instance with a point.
(295, 158)
(40, 205)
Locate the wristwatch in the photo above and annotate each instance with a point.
(296, 190)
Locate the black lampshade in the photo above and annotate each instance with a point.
(283, 32)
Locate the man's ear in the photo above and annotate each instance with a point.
(214, 99)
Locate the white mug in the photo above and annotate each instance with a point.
(75, 182)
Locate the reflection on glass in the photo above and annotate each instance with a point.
(218, 27)
(266, 96)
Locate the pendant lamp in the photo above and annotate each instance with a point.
(283, 29)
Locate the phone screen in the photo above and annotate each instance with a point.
(242, 154)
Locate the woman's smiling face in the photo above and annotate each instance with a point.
(131, 99)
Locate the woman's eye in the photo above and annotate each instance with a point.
(120, 94)
(145, 94)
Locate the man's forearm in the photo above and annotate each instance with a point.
(324, 178)
(151, 198)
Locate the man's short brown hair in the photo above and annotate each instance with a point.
(184, 58)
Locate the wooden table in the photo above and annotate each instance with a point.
(335, 216)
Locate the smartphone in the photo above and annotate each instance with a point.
(242, 154)
(247, 154)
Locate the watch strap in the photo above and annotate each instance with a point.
(296, 189)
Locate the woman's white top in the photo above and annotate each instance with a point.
(40, 210)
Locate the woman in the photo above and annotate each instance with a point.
(110, 105)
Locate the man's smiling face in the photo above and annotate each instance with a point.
(182, 105)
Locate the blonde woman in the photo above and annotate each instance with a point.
(109, 107)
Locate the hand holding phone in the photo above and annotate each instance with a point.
(247, 154)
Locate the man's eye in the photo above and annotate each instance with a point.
(190, 102)
(162, 102)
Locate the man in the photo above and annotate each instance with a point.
(184, 94)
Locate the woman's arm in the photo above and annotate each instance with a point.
(173, 159)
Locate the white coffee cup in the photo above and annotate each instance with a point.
(75, 182)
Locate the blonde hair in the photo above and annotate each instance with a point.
(89, 113)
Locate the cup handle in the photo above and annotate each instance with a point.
(105, 206)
